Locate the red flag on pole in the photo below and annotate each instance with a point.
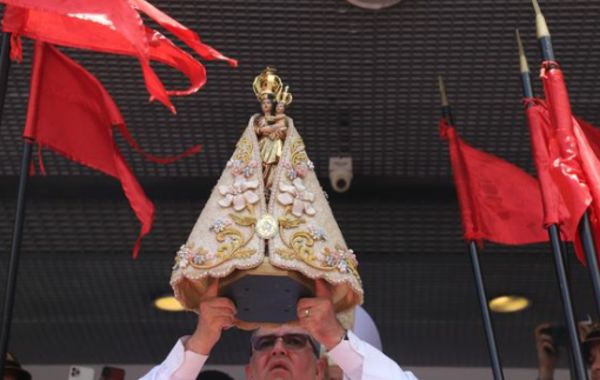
(577, 165)
(591, 167)
(112, 26)
(564, 193)
(70, 112)
(498, 201)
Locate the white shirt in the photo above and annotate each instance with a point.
(357, 359)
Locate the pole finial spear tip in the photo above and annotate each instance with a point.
(540, 22)
(443, 95)
(524, 66)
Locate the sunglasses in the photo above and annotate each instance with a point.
(292, 342)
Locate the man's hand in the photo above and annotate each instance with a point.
(214, 315)
(547, 352)
(316, 315)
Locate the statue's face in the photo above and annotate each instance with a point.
(280, 108)
(266, 105)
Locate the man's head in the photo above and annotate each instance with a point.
(594, 360)
(284, 353)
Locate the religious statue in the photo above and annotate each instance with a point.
(271, 129)
(267, 232)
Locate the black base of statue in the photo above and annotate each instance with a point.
(266, 298)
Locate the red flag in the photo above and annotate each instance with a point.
(190, 38)
(112, 26)
(70, 112)
(591, 167)
(576, 164)
(498, 201)
(592, 134)
(564, 194)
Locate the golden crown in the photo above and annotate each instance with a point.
(267, 83)
(284, 96)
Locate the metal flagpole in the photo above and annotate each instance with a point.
(475, 266)
(557, 247)
(13, 264)
(585, 231)
(587, 241)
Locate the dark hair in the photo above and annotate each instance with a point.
(586, 348)
(213, 375)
